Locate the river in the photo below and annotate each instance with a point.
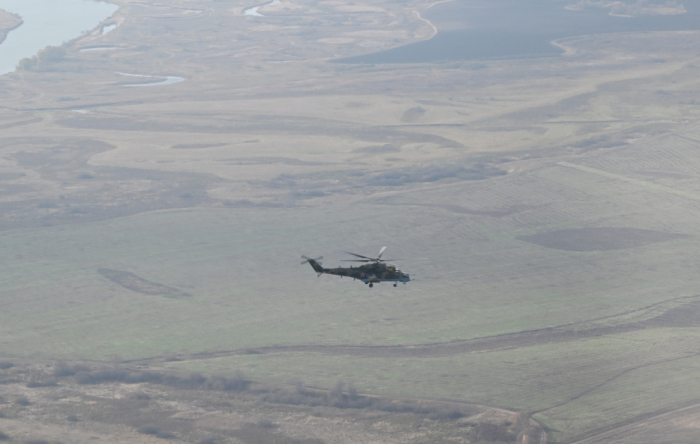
(48, 23)
(493, 29)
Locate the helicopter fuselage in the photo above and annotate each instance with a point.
(372, 273)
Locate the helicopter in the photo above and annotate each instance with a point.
(375, 271)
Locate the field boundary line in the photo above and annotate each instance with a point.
(633, 422)
(613, 378)
(639, 182)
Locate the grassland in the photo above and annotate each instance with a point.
(165, 222)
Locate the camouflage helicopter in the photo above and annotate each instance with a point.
(374, 272)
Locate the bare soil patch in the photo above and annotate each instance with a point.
(135, 283)
(600, 239)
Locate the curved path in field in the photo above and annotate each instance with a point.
(678, 426)
(678, 312)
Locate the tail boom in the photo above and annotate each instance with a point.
(315, 264)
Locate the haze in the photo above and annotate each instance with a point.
(162, 173)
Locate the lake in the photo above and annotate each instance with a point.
(500, 29)
(48, 23)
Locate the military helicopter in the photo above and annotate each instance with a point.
(374, 272)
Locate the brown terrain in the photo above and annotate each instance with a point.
(79, 403)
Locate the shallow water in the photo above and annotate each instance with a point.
(254, 10)
(493, 29)
(108, 28)
(98, 48)
(167, 80)
(48, 23)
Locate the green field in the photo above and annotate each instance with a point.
(245, 291)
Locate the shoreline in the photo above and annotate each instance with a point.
(420, 17)
(568, 51)
(5, 31)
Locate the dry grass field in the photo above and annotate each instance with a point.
(77, 404)
(556, 200)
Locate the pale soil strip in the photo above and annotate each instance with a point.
(568, 51)
(638, 182)
(420, 17)
(435, 30)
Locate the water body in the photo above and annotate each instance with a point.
(48, 23)
(98, 48)
(167, 80)
(108, 28)
(254, 10)
(505, 29)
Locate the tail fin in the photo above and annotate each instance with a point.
(315, 263)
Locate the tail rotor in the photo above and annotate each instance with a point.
(308, 259)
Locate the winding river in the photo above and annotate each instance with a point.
(48, 23)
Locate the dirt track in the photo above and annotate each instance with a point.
(679, 312)
(678, 427)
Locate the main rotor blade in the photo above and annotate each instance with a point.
(381, 252)
(406, 259)
(356, 260)
(358, 255)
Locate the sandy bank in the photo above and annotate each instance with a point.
(8, 22)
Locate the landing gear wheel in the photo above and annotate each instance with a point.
(394, 285)
(371, 285)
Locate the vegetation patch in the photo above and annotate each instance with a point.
(252, 434)
(194, 146)
(42, 60)
(186, 407)
(132, 282)
(600, 239)
(412, 115)
(432, 173)
(190, 381)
